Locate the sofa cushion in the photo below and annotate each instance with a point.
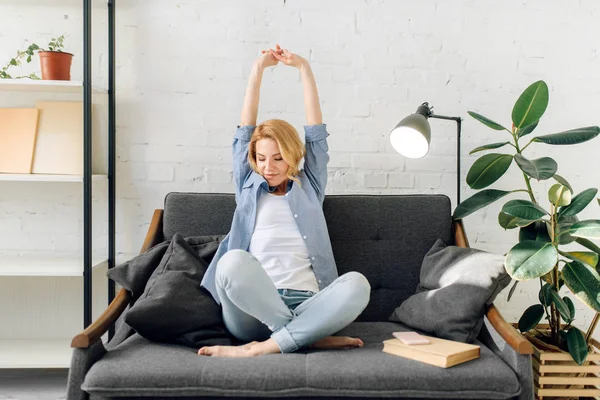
(383, 237)
(133, 274)
(456, 284)
(138, 367)
(174, 307)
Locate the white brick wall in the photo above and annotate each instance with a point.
(182, 70)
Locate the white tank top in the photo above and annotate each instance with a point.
(278, 245)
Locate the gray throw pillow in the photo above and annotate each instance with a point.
(456, 285)
(174, 307)
(133, 275)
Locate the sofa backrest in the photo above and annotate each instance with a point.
(384, 237)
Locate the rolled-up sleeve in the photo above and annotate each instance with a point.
(241, 167)
(317, 157)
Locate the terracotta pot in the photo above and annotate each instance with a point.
(56, 65)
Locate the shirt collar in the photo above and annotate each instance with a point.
(259, 180)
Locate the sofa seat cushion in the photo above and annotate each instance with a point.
(138, 367)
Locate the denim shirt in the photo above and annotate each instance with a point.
(305, 200)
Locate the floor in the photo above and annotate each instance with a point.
(33, 384)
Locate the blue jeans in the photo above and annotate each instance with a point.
(253, 308)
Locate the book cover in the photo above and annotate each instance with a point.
(59, 144)
(440, 352)
(18, 127)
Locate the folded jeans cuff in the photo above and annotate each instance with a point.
(284, 340)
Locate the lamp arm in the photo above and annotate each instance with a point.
(457, 119)
(458, 130)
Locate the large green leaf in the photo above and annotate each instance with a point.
(537, 231)
(524, 209)
(510, 222)
(589, 229)
(486, 121)
(577, 345)
(477, 201)
(570, 305)
(561, 306)
(531, 317)
(563, 181)
(561, 231)
(531, 105)
(488, 169)
(573, 136)
(584, 282)
(489, 147)
(512, 290)
(544, 295)
(527, 130)
(540, 169)
(588, 244)
(578, 203)
(530, 259)
(587, 257)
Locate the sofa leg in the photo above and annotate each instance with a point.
(81, 362)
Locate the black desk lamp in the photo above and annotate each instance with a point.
(412, 135)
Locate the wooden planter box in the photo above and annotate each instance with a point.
(556, 375)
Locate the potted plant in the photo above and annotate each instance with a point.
(55, 63)
(544, 228)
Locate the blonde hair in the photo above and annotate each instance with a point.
(291, 147)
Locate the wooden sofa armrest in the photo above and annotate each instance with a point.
(460, 236)
(94, 332)
(508, 332)
(504, 329)
(155, 233)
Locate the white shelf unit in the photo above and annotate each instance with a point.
(44, 265)
(35, 353)
(47, 178)
(35, 85)
(35, 286)
(20, 353)
(42, 292)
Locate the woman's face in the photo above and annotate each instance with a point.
(270, 162)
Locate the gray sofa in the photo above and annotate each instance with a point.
(385, 237)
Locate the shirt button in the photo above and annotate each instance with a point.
(287, 194)
(312, 258)
(319, 281)
(304, 237)
(295, 215)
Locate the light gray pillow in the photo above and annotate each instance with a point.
(456, 284)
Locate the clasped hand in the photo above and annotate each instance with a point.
(271, 57)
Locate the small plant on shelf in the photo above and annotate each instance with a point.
(55, 62)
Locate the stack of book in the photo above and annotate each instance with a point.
(440, 352)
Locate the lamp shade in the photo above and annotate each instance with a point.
(411, 136)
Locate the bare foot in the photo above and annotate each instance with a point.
(251, 349)
(337, 342)
(227, 351)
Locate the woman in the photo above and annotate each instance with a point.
(274, 273)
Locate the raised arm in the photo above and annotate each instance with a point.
(317, 150)
(243, 135)
(311, 95)
(250, 107)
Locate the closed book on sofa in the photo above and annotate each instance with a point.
(439, 352)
